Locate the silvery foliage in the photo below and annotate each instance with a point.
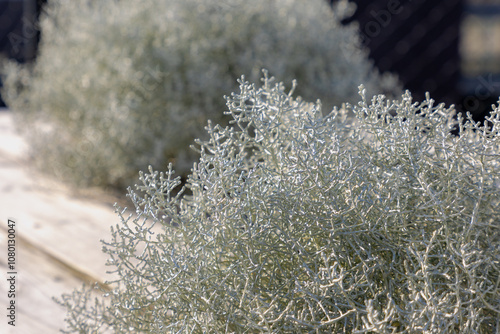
(123, 84)
(372, 219)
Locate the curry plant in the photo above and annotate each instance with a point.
(371, 219)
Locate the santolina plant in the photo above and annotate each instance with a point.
(120, 85)
(295, 222)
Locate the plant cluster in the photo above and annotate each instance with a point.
(120, 85)
(372, 219)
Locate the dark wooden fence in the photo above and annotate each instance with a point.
(480, 83)
(420, 40)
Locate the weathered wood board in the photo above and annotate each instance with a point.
(39, 278)
(58, 237)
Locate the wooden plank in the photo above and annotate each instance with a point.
(58, 231)
(49, 214)
(58, 235)
(53, 220)
(39, 278)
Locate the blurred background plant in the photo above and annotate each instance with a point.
(120, 85)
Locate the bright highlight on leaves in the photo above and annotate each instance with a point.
(368, 220)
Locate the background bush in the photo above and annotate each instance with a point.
(382, 222)
(122, 84)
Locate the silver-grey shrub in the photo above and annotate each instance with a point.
(297, 222)
(119, 85)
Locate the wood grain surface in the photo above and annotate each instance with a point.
(57, 237)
